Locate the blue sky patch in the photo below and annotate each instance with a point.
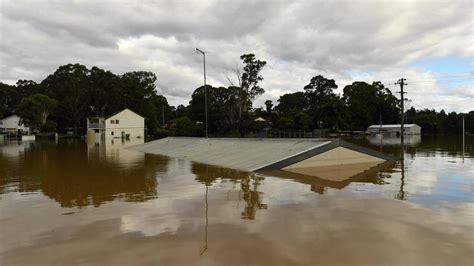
(447, 65)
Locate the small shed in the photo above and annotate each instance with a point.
(395, 129)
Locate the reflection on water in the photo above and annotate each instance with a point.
(77, 174)
(113, 150)
(320, 183)
(247, 183)
(380, 140)
(75, 202)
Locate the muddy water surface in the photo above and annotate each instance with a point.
(71, 203)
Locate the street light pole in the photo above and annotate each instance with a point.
(205, 88)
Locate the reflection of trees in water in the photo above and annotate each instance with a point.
(249, 183)
(251, 196)
(62, 172)
(207, 174)
(450, 145)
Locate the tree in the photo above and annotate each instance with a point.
(291, 103)
(35, 109)
(81, 92)
(182, 110)
(249, 81)
(303, 121)
(249, 88)
(69, 85)
(222, 107)
(104, 94)
(6, 103)
(268, 106)
(11, 95)
(138, 92)
(285, 123)
(366, 103)
(185, 127)
(325, 107)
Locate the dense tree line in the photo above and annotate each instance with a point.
(73, 92)
(433, 122)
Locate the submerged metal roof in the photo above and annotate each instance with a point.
(247, 154)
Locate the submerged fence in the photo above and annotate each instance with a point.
(294, 134)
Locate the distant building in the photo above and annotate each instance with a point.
(13, 125)
(410, 129)
(124, 124)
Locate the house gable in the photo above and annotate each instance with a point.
(125, 114)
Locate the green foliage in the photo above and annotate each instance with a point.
(303, 121)
(49, 126)
(251, 77)
(80, 92)
(268, 106)
(469, 122)
(285, 123)
(323, 104)
(249, 89)
(432, 122)
(69, 84)
(367, 103)
(185, 127)
(162, 133)
(10, 96)
(35, 110)
(222, 107)
(292, 103)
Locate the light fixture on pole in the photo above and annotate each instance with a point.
(205, 89)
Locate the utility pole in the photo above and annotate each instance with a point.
(205, 88)
(463, 138)
(402, 83)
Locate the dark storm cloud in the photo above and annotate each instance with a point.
(298, 39)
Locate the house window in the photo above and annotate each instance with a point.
(112, 133)
(117, 121)
(112, 121)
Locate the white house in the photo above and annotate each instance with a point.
(124, 124)
(12, 125)
(410, 129)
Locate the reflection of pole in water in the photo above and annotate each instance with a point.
(207, 223)
(401, 194)
(381, 141)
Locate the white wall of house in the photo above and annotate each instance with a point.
(12, 124)
(125, 123)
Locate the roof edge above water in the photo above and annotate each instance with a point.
(321, 149)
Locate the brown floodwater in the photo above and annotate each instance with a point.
(71, 203)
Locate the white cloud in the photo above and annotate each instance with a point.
(298, 40)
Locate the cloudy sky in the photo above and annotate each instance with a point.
(431, 43)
